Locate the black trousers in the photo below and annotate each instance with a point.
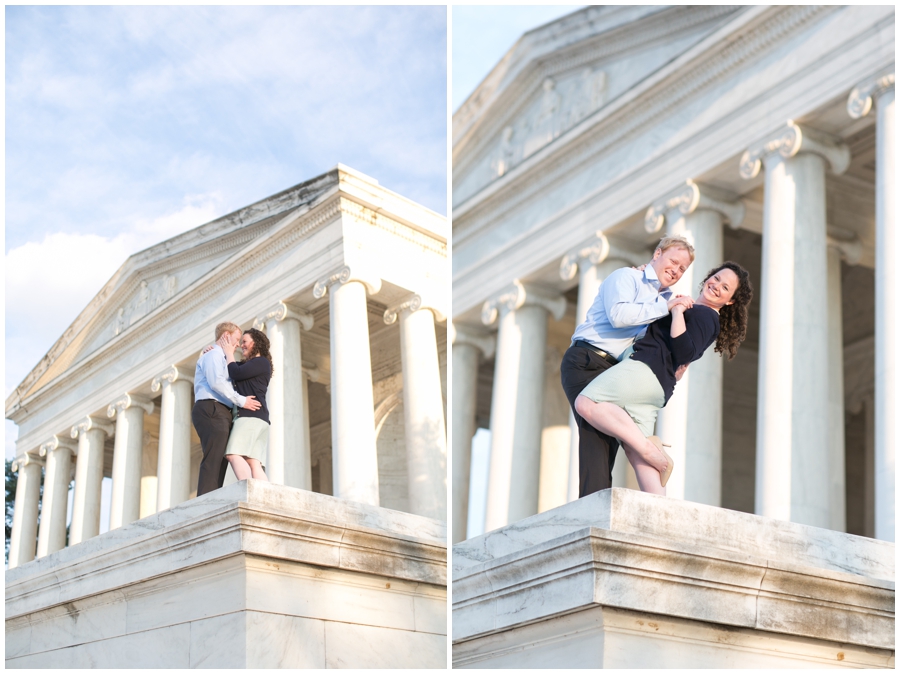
(212, 420)
(596, 450)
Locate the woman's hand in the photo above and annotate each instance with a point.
(679, 373)
(228, 346)
(686, 301)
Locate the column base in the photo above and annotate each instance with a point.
(625, 579)
(251, 575)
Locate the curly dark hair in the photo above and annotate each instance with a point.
(260, 347)
(733, 317)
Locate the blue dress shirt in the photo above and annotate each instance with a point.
(627, 302)
(211, 380)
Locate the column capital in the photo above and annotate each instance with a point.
(847, 243)
(90, 423)
(283, 311)
(464, 334)
(596, 250)
(26, 459)
(412, 303)
(789, 141)
(859, 103)
(517, 295)
(171, 374)
(371, 281)
(689, 197)
(56, 442)
(314, 374)
(129, 400)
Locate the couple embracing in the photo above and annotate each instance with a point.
(230, 412)
(635, 344)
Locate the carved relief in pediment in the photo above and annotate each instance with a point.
(560, 106)
(150, 294)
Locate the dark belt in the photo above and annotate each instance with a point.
(608, 357)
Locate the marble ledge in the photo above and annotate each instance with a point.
(629, 511)
(248, 517)
(595, 567)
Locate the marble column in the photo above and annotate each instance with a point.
(173, 470)
(692, 420)
(288, 459)
(849, 248)
(593, 261)
(57, 453)
(522, 312)
(91, 434)
(425, 432)
(468, 348)
(354, 456)
(149, 481)
(879, 93)
(791, 460)
(556, 438)
(125, 503)
(22, 541)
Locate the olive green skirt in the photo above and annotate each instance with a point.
(249, 438)
(632, 386)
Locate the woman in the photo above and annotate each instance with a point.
(624, 401)
(249, 439)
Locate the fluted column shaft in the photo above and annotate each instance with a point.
(125, 501)
(288, 461)
(354, 454)
(467, 351)
(55, 502)
(517, 401)
(836, 465)
(23, 538)
(174, 459)
(91, 435)
(792, 477)
(423, 408)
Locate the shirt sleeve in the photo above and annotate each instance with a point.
(624, 307)
(216, 375)
(700, 331)
(248, 369)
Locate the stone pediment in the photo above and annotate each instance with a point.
(152, 278)
(558, 75)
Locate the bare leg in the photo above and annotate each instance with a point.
(648, 477)
(613, 420)
(257, 470)
(239, 466)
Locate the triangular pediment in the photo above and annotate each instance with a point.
(559, 75)
(151, 279)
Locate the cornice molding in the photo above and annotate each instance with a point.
(471, 336)
(129, 400)
(90, 423)
(518, 295)
(169, 376)
(690, 197)
(373, 218)
(596, 250)
(282, 312)
(789, 141)
(860, 101)
(700, 68)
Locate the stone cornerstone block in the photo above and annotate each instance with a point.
(625, 579)
(252, 575)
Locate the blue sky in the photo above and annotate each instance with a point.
(483, 34)
(128, 125)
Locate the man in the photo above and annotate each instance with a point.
(629, 300)
(214, 396)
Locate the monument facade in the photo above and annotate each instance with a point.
(349, 281)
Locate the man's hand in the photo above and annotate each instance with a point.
(679, 373)
(686, 301)
(252, 404)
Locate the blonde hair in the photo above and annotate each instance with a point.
(227, 326)
(675, 242)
